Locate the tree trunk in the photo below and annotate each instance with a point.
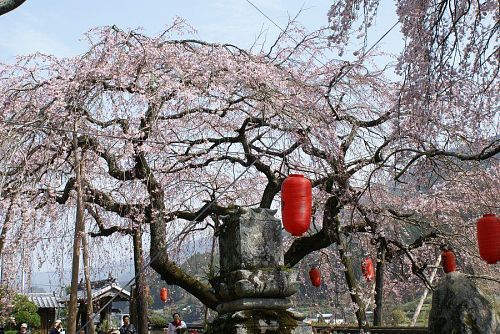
(352, 283)
(6, 225)
(79, 314)
(79, 224)
(133, 306)
(379, 284)
(3, 236)
(140, 284)
(424, 295)
(86, 271)
(211, 271)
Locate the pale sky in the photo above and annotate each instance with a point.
(56, 26)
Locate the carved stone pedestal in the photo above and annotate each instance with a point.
(260, 321)
(253, 284)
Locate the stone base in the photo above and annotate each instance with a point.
(254, 303)
(256, 283)
(300, 329)
(259, 321)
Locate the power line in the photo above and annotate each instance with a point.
(267, 17)
(351, 66)
(284, 31)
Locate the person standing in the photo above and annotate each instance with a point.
(24, 329)
(177, 326)
(127, 327)
(57, 329)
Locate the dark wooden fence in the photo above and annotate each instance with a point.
(343, 329)
(373, 330)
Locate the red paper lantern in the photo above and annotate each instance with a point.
(163, 294)
(315, 276)
(367, 269)
(296, 204)
(449, 263)
(488, 238)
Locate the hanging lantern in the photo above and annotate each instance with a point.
(315, 276)
(164, 294)
(488, 238)
(367, 269)
(449, 263)
(296, 204)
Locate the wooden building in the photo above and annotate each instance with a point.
(48, 309)
(104, 294)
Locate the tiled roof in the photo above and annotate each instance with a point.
(107, 291)
(44, 300)
(97, 284)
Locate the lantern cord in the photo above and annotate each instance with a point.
(284, 169)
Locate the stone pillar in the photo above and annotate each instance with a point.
(253, 284)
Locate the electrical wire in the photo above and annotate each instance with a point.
(351, 66)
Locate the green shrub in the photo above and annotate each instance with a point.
(158, 320)
(398, 317)
(25, 310)
(105, 325)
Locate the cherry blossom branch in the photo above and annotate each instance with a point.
(488, 151)
(122, 122)
(485, 277)
(6, 224)
(154, 216)
(325, 237)
(103, 230)
(94, 196)
(416, 268)
(282, 154)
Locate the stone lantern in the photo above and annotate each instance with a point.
(253, 284)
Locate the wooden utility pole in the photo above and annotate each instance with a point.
(379, 283)
(86, 271)
(79, 228)
(140, 284)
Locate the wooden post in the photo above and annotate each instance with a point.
(140, 286)
(79, 227)
(379, 283)
(133, 306)
(86, 271)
